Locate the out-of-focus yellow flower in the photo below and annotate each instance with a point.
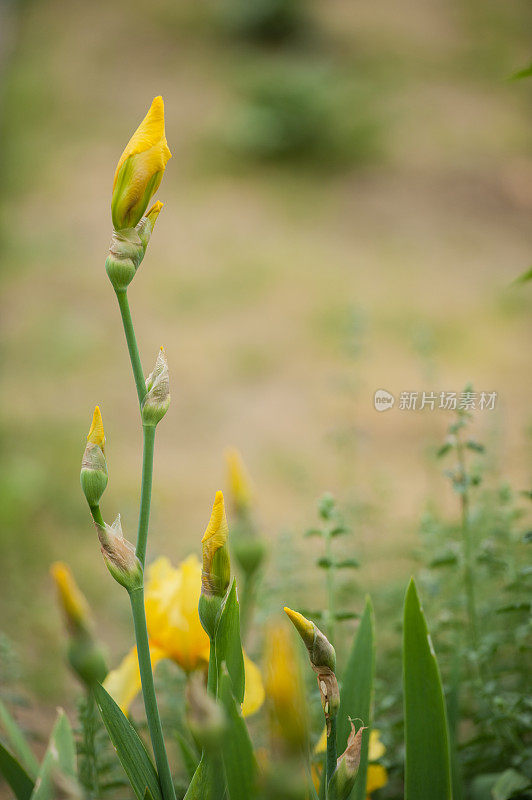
(377, 777)
(284, 689)
(175, 632)
(216, 569)
(73, 602)
(140, 169)
(239, 482)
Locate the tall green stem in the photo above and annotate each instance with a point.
(212, 676)
(331, 757)
(131, 340)
(331, 611)
(145, 492)
(148, 691)
(469, 576)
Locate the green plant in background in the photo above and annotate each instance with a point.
(264, 21)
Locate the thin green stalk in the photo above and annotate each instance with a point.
(131, 340)
(145, 492)
(469, 575)
(247, 602)
(97, 516)
(331, 611)
(330, 764)
(212, 677)
(148, 691)
(89, 764)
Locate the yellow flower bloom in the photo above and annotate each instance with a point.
(96, 433)
(73, 602)
(377, 777)
(216, 568)
(140, 169)
(284, 689)
(175, 631)
(239, 482)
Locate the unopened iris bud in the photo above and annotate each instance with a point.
(206, 718)
(239, 482)
(84, 654)
(140, 169)
(157, 399)
(119, 555)
(323, 661)
(343, 778)
(93, 476)
(216, 568)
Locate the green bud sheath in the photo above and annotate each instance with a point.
(93, 476)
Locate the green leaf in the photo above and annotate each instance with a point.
(313, 532)
(128, 745)
(509, 784)
(356, 698)
(15, 775)
(339, 530)
(427, 768)
(190, 759)
(59, 761)
(228, 644)
(527, 275)
(519, 75)
(348, 563)
(324, 563)
(18, 742)
(237, 750)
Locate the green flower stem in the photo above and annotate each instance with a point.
(145, 492)
(131, 340)
(247, 602)
(331, 611)
(331, 757)
(212, 677)
(469, 573)
(148, 691)
(97, 516)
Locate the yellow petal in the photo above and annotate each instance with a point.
(72, 600)
(303, 626)
(215, 577)
(321, 744)
(254, 691)
(284, 689)
(239, 482)
(96, 433)
(174, 625)
(217, 530)
(150, 134)
(377, 777)
(376, 747)
(123, 683)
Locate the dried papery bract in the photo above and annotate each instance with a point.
(93, 476)
(157, 399)
(119, 555)
(322, 658)
(343, 778)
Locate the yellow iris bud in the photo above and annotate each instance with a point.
(216, 569)
(239, 482)
(84, 654)
(140, 169)
(93, 477)
(73, 602)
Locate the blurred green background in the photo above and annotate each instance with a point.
(346, 209)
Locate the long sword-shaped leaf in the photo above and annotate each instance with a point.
(59, 763)
(357, 694)
(228, 644)
(15, 775)
(427, 768)
(18, 742)
(237, 750)
(129, 747)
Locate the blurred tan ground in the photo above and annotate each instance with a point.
(284, 297)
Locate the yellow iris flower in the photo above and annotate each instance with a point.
(140, 169)
(377, 777)
(239, 482)
(175, 631)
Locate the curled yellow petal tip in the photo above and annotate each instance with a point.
(216, 569)
(303, 626)
(217, 529)
(73, 602)
(96, 433)
(154, 212)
